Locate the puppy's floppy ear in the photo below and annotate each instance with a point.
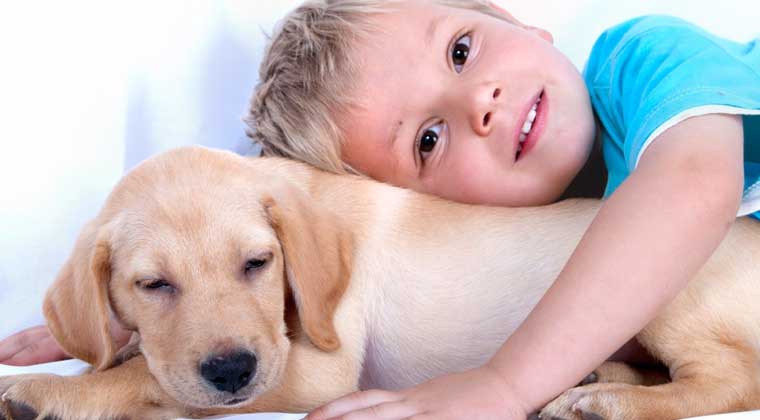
(318, 257)
(77, 306)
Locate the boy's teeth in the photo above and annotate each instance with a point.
(528, 122)
(527, 126)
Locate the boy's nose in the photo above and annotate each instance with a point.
(483, 106)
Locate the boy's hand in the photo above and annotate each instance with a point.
(31, 346)
(479, 394)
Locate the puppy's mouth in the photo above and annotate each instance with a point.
(235, 401)
(238, 399)
(242, 396)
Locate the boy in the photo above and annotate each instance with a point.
(460, 100)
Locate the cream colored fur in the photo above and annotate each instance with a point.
(366, 285)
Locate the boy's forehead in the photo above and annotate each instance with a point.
(404, 43)
(417, 14)
(415, 23)
(409, 28)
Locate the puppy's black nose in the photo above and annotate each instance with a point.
(230, 372)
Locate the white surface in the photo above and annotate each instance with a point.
(88, 89)
(733, 416)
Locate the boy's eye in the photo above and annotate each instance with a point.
(459, 52)
(427, 141)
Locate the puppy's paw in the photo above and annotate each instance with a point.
(562, 407)
(20, 411)
(591, 378)
(22, 395)
(623, 373)
(591, 402)
(6, 382)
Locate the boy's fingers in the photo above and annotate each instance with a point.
(353, 402)
(16, 342)
(41, 351)
(387, 411)
(30, 346)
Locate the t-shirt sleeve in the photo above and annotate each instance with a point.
(647, 72)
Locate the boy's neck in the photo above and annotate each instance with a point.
(592, 178)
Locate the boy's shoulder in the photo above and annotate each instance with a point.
(655, 46)
(646, 32)
(646, 23)
(648, 73)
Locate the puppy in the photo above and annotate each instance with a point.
(266, 285)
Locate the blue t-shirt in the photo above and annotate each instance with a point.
(650, 73)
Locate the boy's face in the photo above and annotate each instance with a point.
(445, 96)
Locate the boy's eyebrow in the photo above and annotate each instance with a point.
(432, 29)
(394, 134)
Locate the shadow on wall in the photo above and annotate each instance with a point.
(207, 108)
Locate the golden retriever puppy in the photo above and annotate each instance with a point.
(266, 285)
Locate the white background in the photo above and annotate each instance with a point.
(88, 89)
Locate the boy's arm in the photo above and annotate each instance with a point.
(648, 240)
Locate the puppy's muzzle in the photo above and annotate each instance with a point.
(229, 372)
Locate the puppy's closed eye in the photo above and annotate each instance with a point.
(156, 286)
(255, 264)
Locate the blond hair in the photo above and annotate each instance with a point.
(307, 76)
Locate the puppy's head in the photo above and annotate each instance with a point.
(202, 253)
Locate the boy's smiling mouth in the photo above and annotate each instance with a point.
(530, 129)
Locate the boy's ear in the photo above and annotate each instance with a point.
(543, 33)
